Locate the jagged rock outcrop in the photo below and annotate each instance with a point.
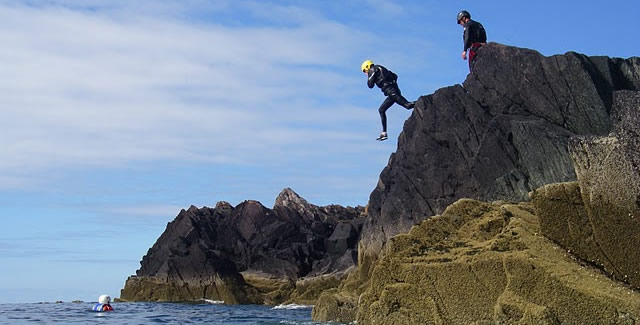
(482, 263)
(598, 217)
(249, 253)
(499, 136)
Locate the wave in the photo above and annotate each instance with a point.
(293, 306)
(213, 302)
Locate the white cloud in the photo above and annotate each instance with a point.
(113, 83)
(107, 87)
(386, 6)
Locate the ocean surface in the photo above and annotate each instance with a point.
(155, 313)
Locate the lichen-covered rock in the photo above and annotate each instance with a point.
(479, 263)
(499, 136)
(304, 291)
(335, 307)
(341, 304)
(564, 219)
(308, 290)
(272, 290)
(598, 217)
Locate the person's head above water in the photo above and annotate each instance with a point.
(104, 299)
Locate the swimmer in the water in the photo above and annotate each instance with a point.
(103, 304)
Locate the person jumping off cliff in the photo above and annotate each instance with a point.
(474, 36)
(386, 80)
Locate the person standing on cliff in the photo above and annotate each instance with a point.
(386, 80)
(474, 36)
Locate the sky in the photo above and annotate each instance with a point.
(115, 115)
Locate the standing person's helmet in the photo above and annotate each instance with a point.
(366, 65)
(463, 14)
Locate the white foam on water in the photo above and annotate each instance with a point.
(292, 306)
(213, 302)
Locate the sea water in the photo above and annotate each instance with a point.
(155, 313)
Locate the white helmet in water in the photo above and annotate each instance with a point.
(104, 299)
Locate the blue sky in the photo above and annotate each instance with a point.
(117, 114)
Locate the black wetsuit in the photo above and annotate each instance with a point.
(386, 81)
(474, 37)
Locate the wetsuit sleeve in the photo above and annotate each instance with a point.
(466, 37)
(371, 75)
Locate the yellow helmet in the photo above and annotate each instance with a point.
(366, 65)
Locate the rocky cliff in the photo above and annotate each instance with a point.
(500, 135)
(545, 262)
(247, 253)
(562, 129)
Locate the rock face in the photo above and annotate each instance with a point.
(598, 217)
(626, 119)
(520, 121)
(499, 136)
(480, 263)
(167, 272)
(226, 253)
